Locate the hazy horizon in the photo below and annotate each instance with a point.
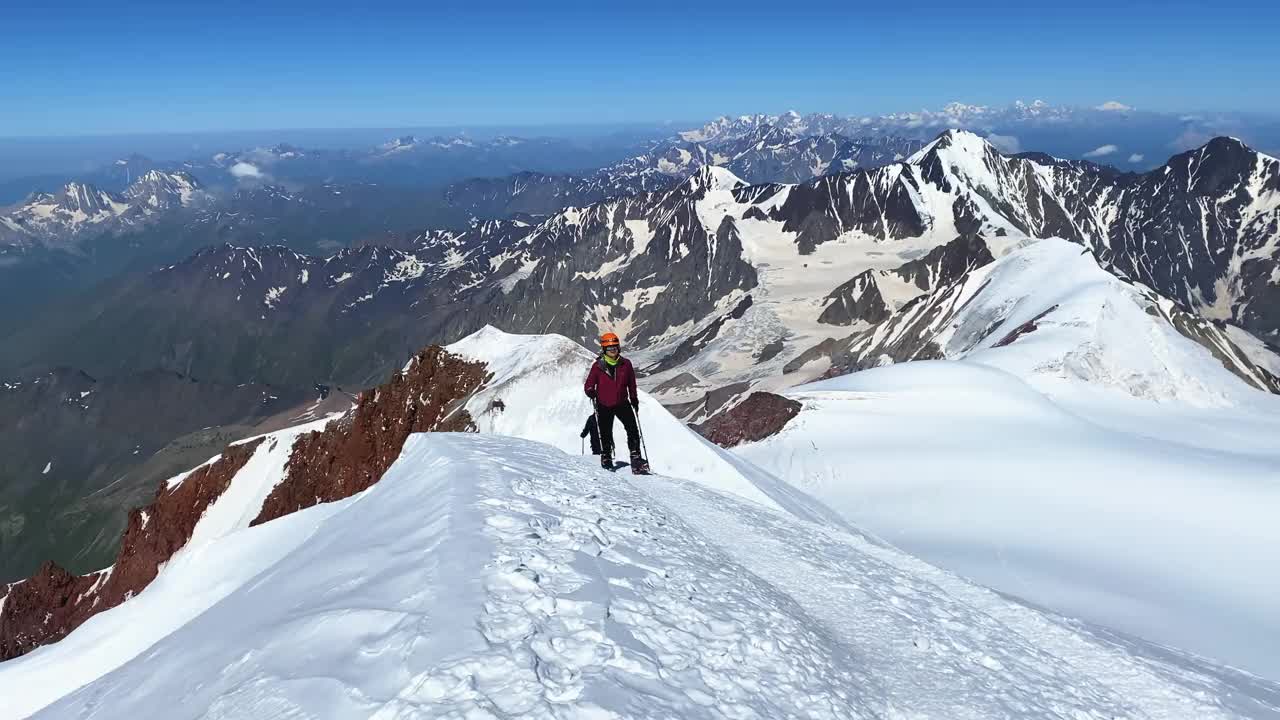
(145, 68)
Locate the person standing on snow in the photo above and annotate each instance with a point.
(611, 385)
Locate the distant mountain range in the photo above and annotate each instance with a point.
(720, 288)
(54, 244)
(763, 153)
(1110, 132)
(661, 267)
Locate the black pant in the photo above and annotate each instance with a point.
(628, 417)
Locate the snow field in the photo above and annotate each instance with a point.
(938, 646)
(1087, 501)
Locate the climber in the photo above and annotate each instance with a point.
(611, 385)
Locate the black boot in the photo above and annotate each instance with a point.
(639, 465)
(606, 461)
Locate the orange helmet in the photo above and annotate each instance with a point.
(609, 340)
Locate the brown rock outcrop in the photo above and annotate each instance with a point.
(352, 453)
(761, 415)
(348, 456)
(1025, 328)
(40, 609)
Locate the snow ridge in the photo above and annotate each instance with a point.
(486, 575)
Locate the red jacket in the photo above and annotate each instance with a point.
(612, 386)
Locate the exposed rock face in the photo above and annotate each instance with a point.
(1227, 197)
(759, 416)
(53, 602)
(1025, 328)
(861, 300)
(1213, 336)
(711, 401)
(679, 382)
(946, 264)
(857, 299)
(156, 532)
(771, 350)
(352, 454)
(41, 609)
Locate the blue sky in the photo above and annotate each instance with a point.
(166, 67)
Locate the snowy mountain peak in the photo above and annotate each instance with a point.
(1225, 165)
(159, 190)
(489, 344)
(78, 209)
(959, 159)
(55, 218)
(713, 178)
(955, 142)
(400, 144)
(1227, 150)
(83, 197)
(724, 128)
(179, 179)
(771, 134)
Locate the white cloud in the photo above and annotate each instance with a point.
(1007, 144)
(1100, 151)
(1136, 157)
(245, 170)
(262, 157)
(1113, 106)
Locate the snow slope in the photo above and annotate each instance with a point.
(1090, 326)
(537, 381)
(1153, 518)
(487, 576)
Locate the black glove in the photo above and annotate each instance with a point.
(635, 406)
(591, 393)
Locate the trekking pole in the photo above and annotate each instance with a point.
(640, 430)
(595, 410)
